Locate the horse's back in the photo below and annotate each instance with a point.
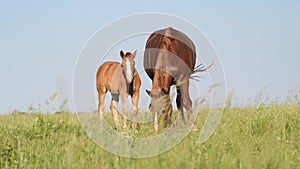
(105, 72)
(109, 75)
(180, 45)
(178, 39)
(107, 68)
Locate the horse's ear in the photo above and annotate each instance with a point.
(134, 53)
(122, 54)
(148, 92)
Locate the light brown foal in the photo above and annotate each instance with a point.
(120, 79)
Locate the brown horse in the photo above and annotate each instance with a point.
(169, 59)
(120, 79)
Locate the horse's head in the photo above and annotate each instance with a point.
(128, 65)
(160, 101)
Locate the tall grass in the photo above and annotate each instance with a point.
(254, 136)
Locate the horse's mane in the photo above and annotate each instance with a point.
(164, 48)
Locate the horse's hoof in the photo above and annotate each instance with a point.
(194, 128)
(134, 126)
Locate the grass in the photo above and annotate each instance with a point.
(247, 137)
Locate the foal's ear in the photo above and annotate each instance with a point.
(148, 92)
(134, 53)
(122, 54)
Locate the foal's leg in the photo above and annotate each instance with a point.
(179, 106)
(135, 99)
(124, 108)
(114, 108)
(101, 96)
(187, 102)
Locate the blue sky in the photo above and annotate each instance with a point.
(258, 43)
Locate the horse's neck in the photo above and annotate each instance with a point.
(161, 79)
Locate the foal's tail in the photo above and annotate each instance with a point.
(199, 68)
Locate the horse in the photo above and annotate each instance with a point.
(121, 80)
(169, 59)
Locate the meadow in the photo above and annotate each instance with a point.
(260, 136)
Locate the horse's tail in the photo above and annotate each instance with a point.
(199, 68)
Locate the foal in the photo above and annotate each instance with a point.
(120, 79)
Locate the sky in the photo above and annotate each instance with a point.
(257, 42)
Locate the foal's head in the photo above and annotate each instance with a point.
(128, 65)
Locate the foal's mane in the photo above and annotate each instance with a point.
(128, 54)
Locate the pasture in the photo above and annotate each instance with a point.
(264, 136)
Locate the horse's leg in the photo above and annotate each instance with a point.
(114, 108)
(124, 108)
(168, 111)
(187, 102)
(135, 99)
(101, 96)
(179, 106)
(156, 122)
